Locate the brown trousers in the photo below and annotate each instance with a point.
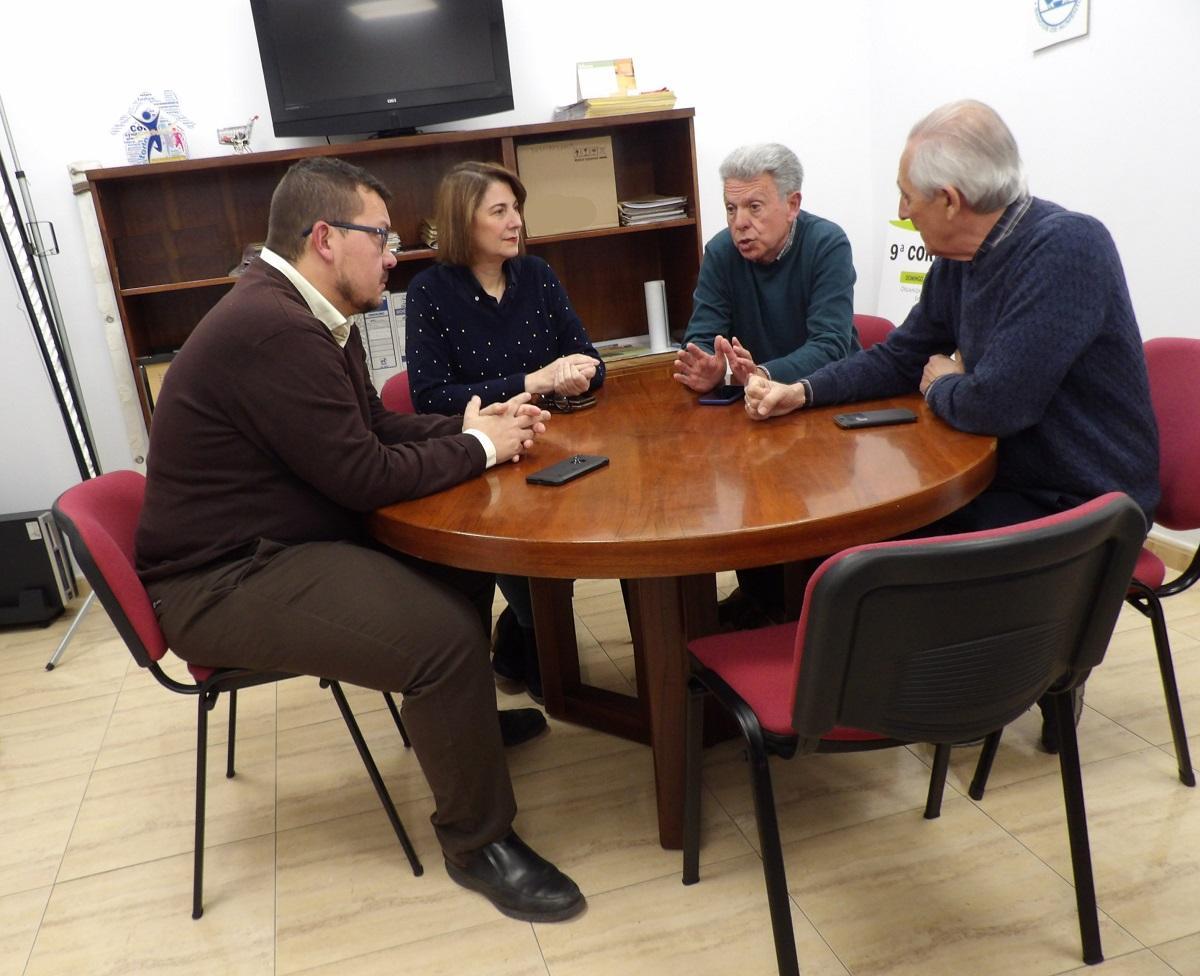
(342, 611)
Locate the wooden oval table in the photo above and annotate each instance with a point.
(690, 490)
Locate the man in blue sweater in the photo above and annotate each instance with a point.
(1033, 299)
(775, 295)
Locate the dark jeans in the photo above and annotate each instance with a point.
(356, 614)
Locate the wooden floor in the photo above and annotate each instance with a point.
(305, 876)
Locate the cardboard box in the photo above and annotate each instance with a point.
(572, 185)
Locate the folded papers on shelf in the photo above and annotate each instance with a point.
(651, 209)
(591, 108)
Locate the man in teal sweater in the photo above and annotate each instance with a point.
(775, 294)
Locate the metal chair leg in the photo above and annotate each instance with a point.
(62, 644)
(232, 734)
(1152, 608)
(691, 783)
(773, 868)
(937, 781)
(983, 768)
(391, 704)
(1081, 856)
(203, 707)
(373, 771)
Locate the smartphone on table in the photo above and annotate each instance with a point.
(874, 418)
(728, 393)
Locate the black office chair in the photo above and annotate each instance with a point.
(936, 640)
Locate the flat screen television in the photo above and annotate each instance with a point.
(340, 67)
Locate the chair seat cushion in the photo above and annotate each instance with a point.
(757, 664)
(1150, 570)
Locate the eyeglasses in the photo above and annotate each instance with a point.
(380, 232)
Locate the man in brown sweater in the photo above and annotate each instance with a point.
(268, 446)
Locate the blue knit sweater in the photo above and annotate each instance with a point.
(463, 343)
(1053, 358)
(794, 314)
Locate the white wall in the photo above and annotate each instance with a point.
(1107, 124)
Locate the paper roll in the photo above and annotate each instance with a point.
(656, 316)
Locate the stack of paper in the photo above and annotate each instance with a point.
(428, 232)
(650, 209)
(591, 108)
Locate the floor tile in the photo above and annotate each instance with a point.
(1183, 955)
(597, 821)
(1142, 963)
(904, 896)
(345, 890)
(663, 928)
(146, 810)
(35, 823)
(20, 916)
(501, 948)
(52, 742)
(137, 920)
(1144, 827)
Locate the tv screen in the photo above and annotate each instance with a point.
(338, 67)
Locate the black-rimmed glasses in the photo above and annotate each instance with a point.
(380, 232)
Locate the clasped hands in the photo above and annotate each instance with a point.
(512, 426)
(566, 376)
(701, 371)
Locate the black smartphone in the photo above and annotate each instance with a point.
(874, 418)
(564, 471)
(723, 395)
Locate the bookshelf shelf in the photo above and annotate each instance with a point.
(172, 232)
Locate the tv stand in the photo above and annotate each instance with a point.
(172, 233)
(401, 133)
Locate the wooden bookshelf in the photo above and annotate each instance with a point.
(173, 231)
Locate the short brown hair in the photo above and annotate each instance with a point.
(319, 188)
(459, 196)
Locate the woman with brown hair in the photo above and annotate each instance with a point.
(491, 321)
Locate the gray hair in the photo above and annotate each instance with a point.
(748, 162)
(966, 145)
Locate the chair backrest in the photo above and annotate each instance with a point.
(871, 329)
(1174, 368)
(949, 638)
(100, 519)
(396, 394)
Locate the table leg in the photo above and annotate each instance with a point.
(663, 605)
(566, 696)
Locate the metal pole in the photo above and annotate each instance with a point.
(55, 311)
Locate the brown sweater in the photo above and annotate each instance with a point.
(266, 429)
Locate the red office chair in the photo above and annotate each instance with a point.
(871, 329)
(1174, 367)
(99, 517)
(397, 394)
(925, 640)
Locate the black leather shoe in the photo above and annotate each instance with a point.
(519, 725)
(518, 881)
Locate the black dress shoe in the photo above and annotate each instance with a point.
(519, 725)
(518, 881)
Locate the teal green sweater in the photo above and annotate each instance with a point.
(794, 315)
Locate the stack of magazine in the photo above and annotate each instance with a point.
(627, 104)
(651, 209)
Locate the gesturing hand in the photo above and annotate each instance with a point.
(698, 370)
(741, 363)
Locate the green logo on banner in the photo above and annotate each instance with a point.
(903, 224)
(912, 277)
